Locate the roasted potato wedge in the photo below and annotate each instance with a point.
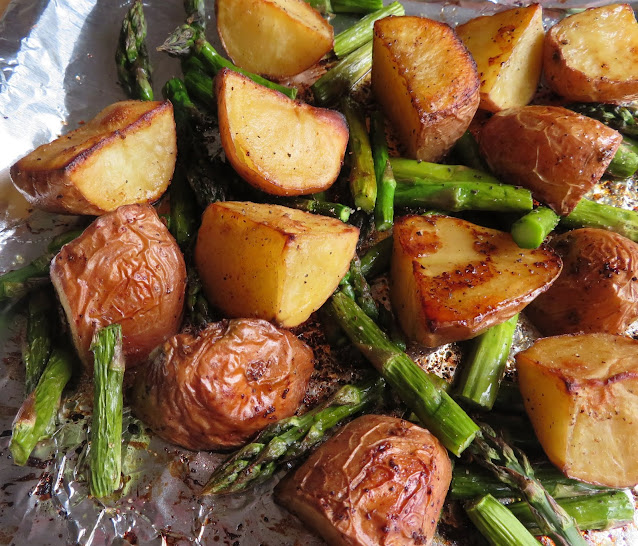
(271, 262)
(380, 480)
(278, 145)
(450, 279)
(125, 268)
(125, 155)
(508, 50)
(597, 291)
(592, 56)
(218, 389)
(580, 394)
(557, 154)
(426, 83)
(276, 38)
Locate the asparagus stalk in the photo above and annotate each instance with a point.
(622, 118)
(509, 398)
(195, 13)
(512, 467)
(497, 524)
(625, 162)
(411, 170)
(600, 511)
(458, 196)
(37, 414)
(436, 410)
(197, 306)
(361, 289)
(37, 346)
(532, 229)
(106, 430)
(466, 151)
(291, 438)
(377, 259)
(190, 40)
(183, 215)
(590, 214)
(361, 33)
(131, 55)
(363, 183)
(483, 371)
(198, 83)
(356, 6)
(386, 184)
(322, 6)
(335, 210)
(343, 76)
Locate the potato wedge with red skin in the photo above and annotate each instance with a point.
(597, 291)
(451, 280)
(592, 56)
(125, 268)
(378, 481)
(557, 154)
(275, 38)
(580, 394)
(426, 83)
(125, 155)
(218, 389)
(280, 146)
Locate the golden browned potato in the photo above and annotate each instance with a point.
(426, 82)
(597, 290)
(124, 155)
(557, 154)
(278, 145)
(125, 268)
(450, 279)
(508, 50)
(218, 389)
(271, 262)
(276, 38)
(380, 480)
(592, 56)
(580, 394)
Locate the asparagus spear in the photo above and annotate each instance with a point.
(195, 13)
(322, 6)
(386, 184)
(361, 33)
(37, 346)
(131, 55)
(37, 414)
(625, 162)
(361, 290)
(356, 6)
(497, 524)
(622, 118)
(590, 214)
(483, 371)
(190, 40)
(532, 229)
(290, 438)
(106, 429)
(466, 152)
(335, 210)
(512, 467)
(377, 259)
(198, 83)
(458, 196)
(411, 169)
(604, 510)
(343, 76)
(363, 183)
(438, 412)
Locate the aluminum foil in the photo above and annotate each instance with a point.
(57, 70)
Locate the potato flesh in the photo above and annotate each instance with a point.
(508, 50)
(597, 290)
(592, 56)
(218, 389)
(426, 83)
(278, 145)
(450, 279)
(125, 155)
(379, 480)
(580, 394)
(271, 262)
(277, 38)
(557, 154)
(125, 268)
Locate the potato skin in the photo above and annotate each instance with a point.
(125, 268)
(218, 389)
(597, 291)
(378, 481)
(557, 154)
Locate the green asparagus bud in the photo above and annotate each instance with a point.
(625, 162)
(37, 346)
(356, 6)
(595, 215)
(532, 229)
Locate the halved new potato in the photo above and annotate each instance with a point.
(277, 38)
(580, 394)
(125, 155)
(557, 154)
(426, 83)
(278, 145)
(271, 262)
(450, 279)
(508, 50)
(592, 56)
